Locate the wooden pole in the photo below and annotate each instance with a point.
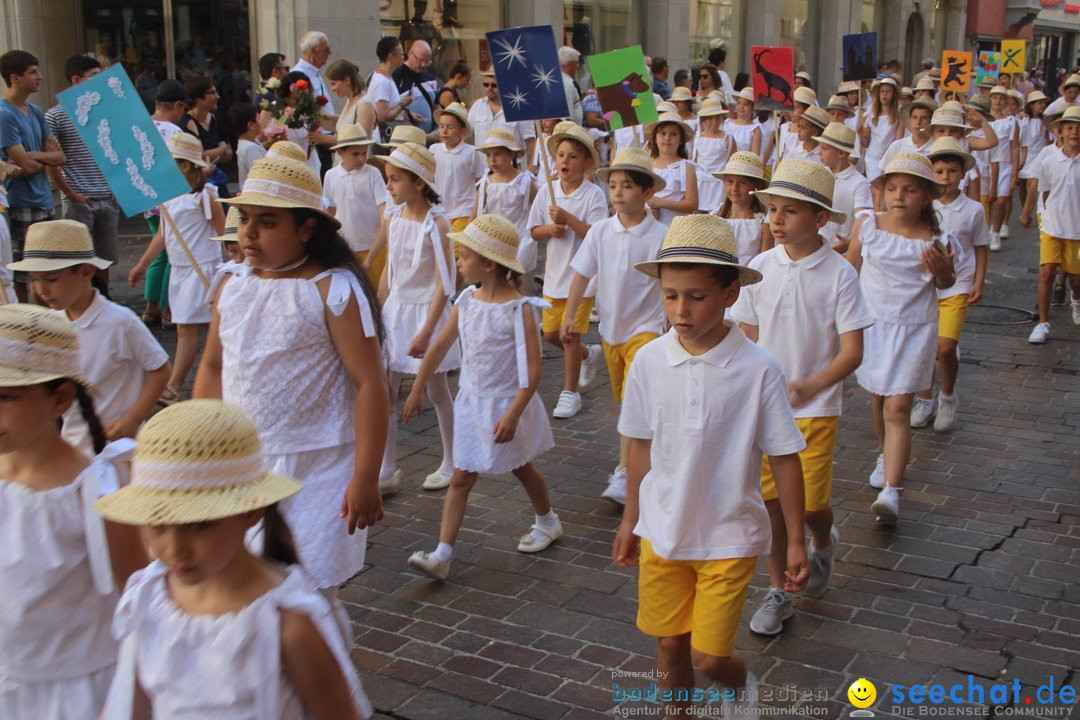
(545, 161)
(637, 135)
(776, 137)
(183, 245)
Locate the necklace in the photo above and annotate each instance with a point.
(287, 268)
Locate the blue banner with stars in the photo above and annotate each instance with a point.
(526, 64)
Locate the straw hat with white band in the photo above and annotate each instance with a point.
(633, 160)
(37, 345)
(494, 238)
(950, 147)
(672, 119)
(282, 183)
(666, 107)
(58, 244)
(457, 110)
(913, 164)
(681, 94)
(185, 146)
(287, 149)
(743, 164)
(839, 136)
(351, 135)
(570, 130)
(500, 137)
(196, 461)
(417, 159)
(712, 107)
(700, 240)
(798, 179)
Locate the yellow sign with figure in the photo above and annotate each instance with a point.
(955, 71)
(1013, 54)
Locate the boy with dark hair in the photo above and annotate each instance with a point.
(244, 123)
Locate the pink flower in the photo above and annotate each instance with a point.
(288, 111)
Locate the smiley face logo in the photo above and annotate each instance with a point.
(862, 693)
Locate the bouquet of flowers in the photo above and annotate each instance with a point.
(296, 106)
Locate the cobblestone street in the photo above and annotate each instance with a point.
(981, 576)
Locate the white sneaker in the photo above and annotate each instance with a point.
(1004, 232)
(921, 412)
(877, 478)
(568, 406)
(438, 480)
(775, 609)
(1039, 334)
(594, 315)
(1076, 310)
(887, 506)
(391, 484)
(946, 413)
(821, 565)
(423, 562)
(616, 488)
(745, 702)
(589, 366)
(995, 242)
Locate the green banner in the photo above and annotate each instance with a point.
(623, 87)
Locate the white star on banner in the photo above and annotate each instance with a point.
(517, 98)
(510, 53)
(543, 77)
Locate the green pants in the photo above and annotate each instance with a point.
(157, 274)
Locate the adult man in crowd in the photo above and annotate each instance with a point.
(271, 65)
(27, 142)
(569, 60)
(314, 54)
(413, 78)
(487, 112)
(84, 192)
(660, 70)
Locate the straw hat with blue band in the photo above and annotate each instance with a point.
(58, 244)
(700, 240)
(799, 179)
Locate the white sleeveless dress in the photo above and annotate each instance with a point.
(675, 177)
(59, 595)
(281, 366)
(415, 258)
(743, 135)
(710, 155)
(882, 134)
(217, 666)
(511, 201)
(747, 237)
(494, 368)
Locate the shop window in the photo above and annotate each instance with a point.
(455, 29)
(595, 26)
(712, 19)
(798, 29)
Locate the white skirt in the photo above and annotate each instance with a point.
(711, 193)
(330, 555)
(75, 698)
(475, 449)
(402, 321)
(187, 294)
(898, 359)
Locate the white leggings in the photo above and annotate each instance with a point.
(438, 391)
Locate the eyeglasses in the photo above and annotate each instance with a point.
(282, 67)
(423, 61)
(490, 85)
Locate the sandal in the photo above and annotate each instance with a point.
(169, 396)
(539, 538)
(152, 318)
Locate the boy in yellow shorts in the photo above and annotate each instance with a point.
(701, 404)
(630, 310)
(562, 224)
(1059, 233)
(963, 217)
(808, 312)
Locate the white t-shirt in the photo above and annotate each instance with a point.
(358, 197)
(710, 418)
(381, 87)
(1060, 176)
(851, 191)
(247, 153)
(115, 350)
(628, 301)
(801, 308)
(1058, 106)
(904, 144)
(483, 119)
(457, 171)
(966, 219)
(588, 204)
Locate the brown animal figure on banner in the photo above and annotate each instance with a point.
(621, 98)
(773, 81)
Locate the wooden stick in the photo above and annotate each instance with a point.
(183, 245)
(776, 136)
(637, 135)
(545, 161)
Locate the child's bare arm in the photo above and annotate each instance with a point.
(153, 385)
(414, 403)
(787, 471)
(845, 362)
(208, 376)
(626, 548)
(311, 668)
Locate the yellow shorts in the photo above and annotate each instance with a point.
(985, 200)
(552, 318)
(950, 314)
(457, 225)
(1056, 251)
(702, 597)
(377, 265)
(816, 459)
(619, 358)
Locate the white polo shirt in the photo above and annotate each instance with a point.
(482, 119)
(1059, 175)
(797, 150)
(628, 300)
(457, 171)
(1058, 106)
(710, 418)
(966, 219)
(115, 350)
(588, 204)
(1005, 129)
(904, 144)
(356, 196)
(851, 191)
(801, 307)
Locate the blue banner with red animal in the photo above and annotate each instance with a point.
(774, 78)
(526, 64)
(623, 87)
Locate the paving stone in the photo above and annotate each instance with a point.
(977, 662)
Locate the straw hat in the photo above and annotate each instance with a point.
(848, 86)
(350, 135)
(287, 149)
(501, 137)
(925, 83)
(457, 110)
(805, 180)
(488, 72)
(492, 237)
(635, 160)
(909, 163)
(681, 94)
(56, 244)
(666, 107)
(570, 130)
(37, 345)
(804, 75)
(700, 240)
(838, 102)
(953, 106)
(805, 95)
(232, 226)
(948, 146)
(185, 146)
(888, 80)
(923, 102)
(196, 461)
(1017, 96)
(944, 117)
(711, 108)
(402, 134)
(981, 104)
(282, 182)
(1072, 80)
(415, 158)
(816, 116)
(672, 118)
(998, 90)
(1071, 115)
(906, 92)
(839, 136)
(1035, 96)
(743, 164)
(747, 94)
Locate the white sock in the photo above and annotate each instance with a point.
(549, 521)
(943, 396)
(442, 553)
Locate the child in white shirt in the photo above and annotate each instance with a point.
(458, 166)
(356, 195)
(851, 190)
(243, 118)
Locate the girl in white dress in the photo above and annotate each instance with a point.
(667, 145)
(62, 566)
(500, 423)
(294, 341)
(415, 292)
(901, 255)
(506, 190)
(743, 175)
(881, 127)
(742, 127)
(711, 150)
(210, 629)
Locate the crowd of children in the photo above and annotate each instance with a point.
(740, 272)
